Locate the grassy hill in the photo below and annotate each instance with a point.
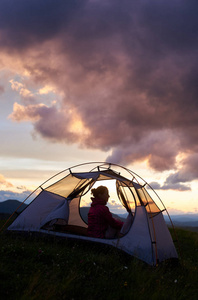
(35, 267)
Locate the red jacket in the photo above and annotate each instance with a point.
(99, 218)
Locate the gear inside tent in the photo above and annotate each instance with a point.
(60, 206)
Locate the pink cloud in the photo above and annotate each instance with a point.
(1, 89)
(127, 76)
(187, 172)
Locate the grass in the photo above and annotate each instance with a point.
(33, 267)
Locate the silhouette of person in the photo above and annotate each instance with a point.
(101, 224)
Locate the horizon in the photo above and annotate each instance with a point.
(124, 212)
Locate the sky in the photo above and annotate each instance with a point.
(100, 80)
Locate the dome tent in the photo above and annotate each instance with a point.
(55, 209)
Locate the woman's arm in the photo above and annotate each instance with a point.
(112, 221)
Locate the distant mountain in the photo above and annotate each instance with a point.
(9, 206)
(84, 214)
(184, 220)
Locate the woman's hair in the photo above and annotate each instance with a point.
(99, 190)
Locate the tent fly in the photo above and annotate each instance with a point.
(55, 210)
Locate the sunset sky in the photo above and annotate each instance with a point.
(100, 80)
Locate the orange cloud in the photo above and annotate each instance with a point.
(45, 90)
(26, 113)
(4, 182)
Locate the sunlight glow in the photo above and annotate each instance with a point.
(114, 203)
(76, 125)
(46, 90)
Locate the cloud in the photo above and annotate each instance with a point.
(52, 123)
(45, 90)
(26, 95)
(170, 186)
(1, 89)
(159, 147)
(127, 73)
(4, 182)
(15, 85)
(187, 172)
(6, 195)
(26, 113)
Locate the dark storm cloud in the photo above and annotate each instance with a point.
(128, 69)
(25, 23)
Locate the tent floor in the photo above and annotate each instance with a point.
(73, 229)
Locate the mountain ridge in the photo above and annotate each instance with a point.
(9, 206)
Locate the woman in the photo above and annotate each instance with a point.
(101, 224)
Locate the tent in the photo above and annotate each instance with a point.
(56, 208)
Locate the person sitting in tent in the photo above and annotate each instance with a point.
(101, 224)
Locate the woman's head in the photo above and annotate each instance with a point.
(101, 192)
